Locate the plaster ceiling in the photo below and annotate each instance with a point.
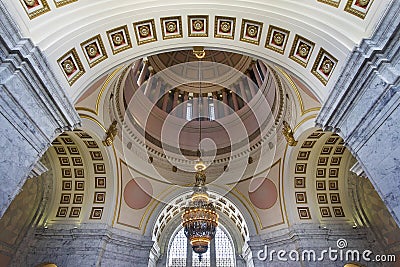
(335, 26)
(66, 30)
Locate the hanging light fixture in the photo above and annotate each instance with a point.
(200, 219)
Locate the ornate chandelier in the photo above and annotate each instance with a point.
(200, 219)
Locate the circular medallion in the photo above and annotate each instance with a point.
(30, 3)
(68, 66)
(303, 50)
(327, 66)
(198, 25)
(171, 27)
(137, 193)
(118, 39)
(263, 193)
(92, 50)
(252, 31)
(225, 26)
(278, 38)
(144, 31)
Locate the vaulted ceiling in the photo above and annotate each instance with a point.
(99, 50)
(327, 29)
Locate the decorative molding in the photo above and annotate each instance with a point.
(171, 27)
(198, 25)
(301, 197)
(277, 39)
(325, 212)
(71, 66)
(65, 198)
(304, 213)
(251, 31)
(358, 8)
(301, 51)
(38, 169)
(357, 169)
(62, 212)
(119, 39)
(338, 212)
(224, 27)
(320, 185)
(96, 213)
(94, 50)
(60, 3)
(324, 66)
(35, 8)
(322, 198)
(145, 31)
(74, 183)
(299, 182)
(334, 3)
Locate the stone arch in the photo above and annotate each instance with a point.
(316, 179)
(83, 181)
(167, 220)
(338, 45)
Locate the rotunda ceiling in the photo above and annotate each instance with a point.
(166, 107)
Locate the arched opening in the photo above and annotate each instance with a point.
(221, 252)
(300, 200)
(229, 246)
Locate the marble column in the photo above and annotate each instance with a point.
(215, 102)
(165, 101)
(204, 106)
(143, 72)
(363, 108)
(243, 91)
(175, 102)
(235, 102)
(263, 68)
(257, 74)
(185, 102)
(148, 86)
(225, 101)
(135, 69)
(34, 108)
(196, 107)
(249, 82)
(159, 91)
(154, 94)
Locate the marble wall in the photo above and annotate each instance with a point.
(86, 245)
(363, 108)
(300, 242)
(34, 108)
(370, 211)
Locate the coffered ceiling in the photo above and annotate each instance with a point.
(310, 38)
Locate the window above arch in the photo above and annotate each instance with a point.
(221, 252)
